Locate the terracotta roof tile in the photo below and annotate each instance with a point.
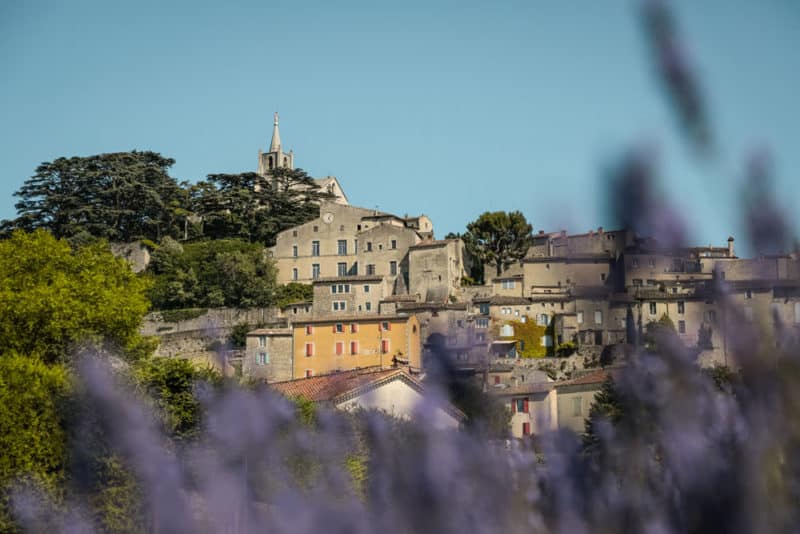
(326, 387)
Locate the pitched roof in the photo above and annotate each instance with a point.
(270, 332)
(591, 378)
(345, 385)
(364, 318)
(327, 387)
(350, 278)
(523, 389)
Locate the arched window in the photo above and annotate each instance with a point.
(270, 162)
(285, 162)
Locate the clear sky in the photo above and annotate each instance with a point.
(443, 108)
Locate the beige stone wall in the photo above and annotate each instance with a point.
(277, 347)
(649, 270)
(383, 244)
(336, 222)
(560, 272)
(573, 405)
(508, 286)
(436, 269)
(361, 295)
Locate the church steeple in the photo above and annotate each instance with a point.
(275, 158)
(275, 145)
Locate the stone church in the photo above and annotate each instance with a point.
(276, 158)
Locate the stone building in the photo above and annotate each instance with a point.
(436, 269)
(338, 343)
(268, 354)
(349, 295)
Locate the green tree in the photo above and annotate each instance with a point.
(120, 196)
(223, 272)
(498, 238)
(32, 435)
(659, 333)
(294, 292)
(255, 208)
(52, 299)
(170, 383)
(607, 408)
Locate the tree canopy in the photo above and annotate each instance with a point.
(209, 274)
(53, 298)
(122, 196)
(254, 207)
(498, 238)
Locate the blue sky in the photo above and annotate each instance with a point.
(443, 108)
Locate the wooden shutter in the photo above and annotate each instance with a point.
(513, 406)
(339, 348)
(334, 328)
(354, 347)
(525, 405)
(309, 349)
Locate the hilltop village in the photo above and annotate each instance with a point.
(541, 336)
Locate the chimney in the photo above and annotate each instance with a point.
(730, 247)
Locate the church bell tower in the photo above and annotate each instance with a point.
(275, 158)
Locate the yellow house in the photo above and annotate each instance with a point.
(340, 343)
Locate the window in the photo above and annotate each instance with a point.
(366, 289)
(338, 328)
(341, 269)
(651, 262)
(315, 248)
(637, 282)
(509, 284)
(339, 305)
(353, 328)
(681, 307)
(710, 316)
(496, 379)
(315, 271)
(339, 348)
(577, 410)
(262, 358)
(294, 251)
(294, 233)
(542, 319)
(394, 244)
(341, 247)
(294, 274)
(482, 323)
(371, 269)
(386, 326)
(480, 336)
(309, 349)
(354, 347)
(681, 326)
(369, 246)
(598, 317)
(380, 246)
(580, 317)
(368, 306)
(309, 373)
(652, 308)
(262, 341)
(484, 309)
(385, 346)
(309, 330)
(603, 276)
(748, 294)
(341, 228)
(333, 288)
(316, 228)
(526, 429)
(522, 405)
(355, 246)
(392, 268)
(635, 263)
(516, 313)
